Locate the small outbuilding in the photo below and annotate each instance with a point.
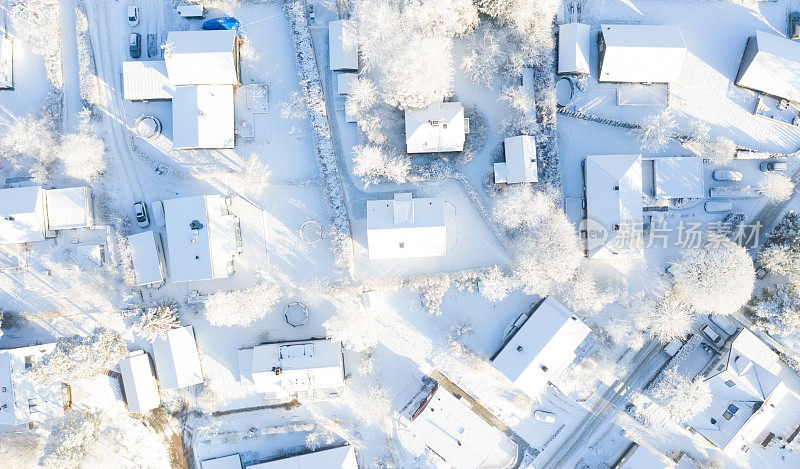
(677, 177)
(148, 258)
(344, 81)
(574, 49)
(520, 165)
(440, 127)
(177, 360)
(139, 383)
(6, 63)
(406, 227)
(641, 53)
(69, 208)
(343, 44)
(771, 65)
(340, 457)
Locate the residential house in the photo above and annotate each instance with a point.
(440, 127)
(641, 53)
(406, 227)
(177, 360)
(771, 65)
(23, 400)
(520, 165)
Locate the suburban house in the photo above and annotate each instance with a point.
(771, 65)
(454, 433)
(675, 177)
(198, 74)
(148, 258)
(573, 49)
(284, 370)
(755, 397)
(32, 213)
(23, 401)
(637, 456)
(339, 457)
(343, 45)
(440, 127)
(177, 360)
(233, 461)
(614, 206)
(202, 238)
(406, 227)
(520, 165)
(139, 383)
(542, 343)
(641, 53)
(6, 63)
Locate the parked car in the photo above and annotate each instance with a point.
(152, 46)
(710, 333)
(136, 45)
(544, 416)
(718, 206)
(142, 219)
(770, 166)
(794, 25)
(723, 323)
(726, 175)
(158, 213)
(133, 16)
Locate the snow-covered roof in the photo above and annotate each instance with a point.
(177, 360)
(542, 347)
(678, 177)
(69, 208)
(520, 165)
(146, 79)
(406, 227)
(22, 215)
(6, 61)
(205, 57)
(308, 368)
(341, 457)
(771, 64)
(450, 428)
(343, 44)
(21, 399)
(614, 205)
(641, 53)
(203, 250)
(437, 128)
(344, 81)
(643, 458)
(202, 116)
(232, 461)
(573, 48)
(146, 257)
(141, 390)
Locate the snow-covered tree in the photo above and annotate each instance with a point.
(72, 440)
(83, 155)
(776, 187)
(29, 143)
(529, 18)
(787, 232)
(656, 131)
(717, 278)
(718, 150)
(520, 116)
(241, 307)
(80, 288)
(495, 285)
(20, 449)
(781, 259)
(374, 164)
(548, 258)
(354, 327)
(37, 23)
(777, 310)
(663, 316)
(431, 289)
(446, 18)
(680, 396)
(78, 357)
(156, 322)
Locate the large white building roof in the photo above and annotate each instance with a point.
(641, 53)
(342, 457)
(21, 399)
(343, 44)
(141, 390)
(69, 208)
(771, 64)
(146, 79)
(406, 227)
(573, 48)
(614, 205)
(232, 461)
(147, 261)
(440, 127)
(207, 57)
(542, 347)
(202, 116)
(520, 165)
(203, 250)
(177, 360)
(678, 177)
(22, 215)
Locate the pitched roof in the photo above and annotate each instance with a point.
(146, 79)
(206, 57)
(406, 227)
(437, 128)
(520, 165)
(177, 360)
(146, 260)
(203, 116)
(678, 177)
(642, 53)
(69, 208)
(21, 399)
(233, 461)
(141, 390)
(343, 44)
(22, 215)
(573, 48)
(342, 457)
(774, 67)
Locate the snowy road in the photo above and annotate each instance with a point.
(69, 65)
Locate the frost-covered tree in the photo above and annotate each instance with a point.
(787, 232)
(83, 155)
(156, 322)
(447, 18)
(781, 259)
(718, 150)
(548, 258)
(29, 143)
(656, 131)
(495, 285)
(374, 164)
(20, 449)
(354, 327)
(37, 23)
(584, 292)
(664, 317)
(529, 18)
(777, 310)
(78, 357)
(680, 396)
(241, 307)
(776, 187)
(520, 116)
(717, 278)
(431, 289)
(72, 440)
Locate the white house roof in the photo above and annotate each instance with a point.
(141, 390)
(205, 251)
(520, 165)
(202, 116)
(343, 44)
(406, 227)
(233, 461)
(642, 53)
(573, 48)
(678, 177)
(771, 64)
(146, 79)
(542, 347)
(22, 215)
(146, 261)
(614, 205)
(643, 458)
(342, 457)
(437, 128)
(6, 60)
(206, 57)
(177, 360)
(69, 208)
(21, 399)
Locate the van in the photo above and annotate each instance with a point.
(718, 206)
(191, 11)
(726, 175)
(711, 334)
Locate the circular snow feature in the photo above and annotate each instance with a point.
(565, 90)
(311, 231)
(148, 127)
(296, 314)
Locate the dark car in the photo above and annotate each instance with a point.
(794, 25)
(135, 44)
(773, 166)
(152, 46)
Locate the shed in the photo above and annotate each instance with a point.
(406, 227)
(6, 63)
(233, 461)
(206, 57)
(177, 360)
(440, 127)
(145, 80)
(520, 165)
(678, 177)
(344, 81)
(148, 258)
(573, 49)
(23, 215)
(771, 65)
(641, 53)
(340, 457)
(69, 208)
(203, 117)
(189, 10)
(141, 390)
(343, 44)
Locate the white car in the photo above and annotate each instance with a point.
(710, 333)
(133, 16)
(158, 213)
(544, 416)
(718, 206)
(726, 175)
(142, 219)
